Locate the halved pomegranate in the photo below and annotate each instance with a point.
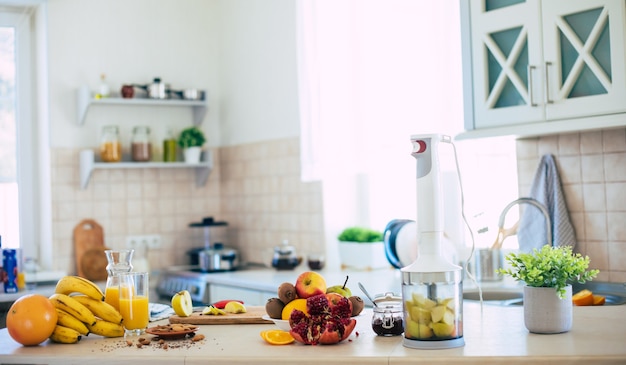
(326, 323)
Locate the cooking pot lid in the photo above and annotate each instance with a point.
(208, 222)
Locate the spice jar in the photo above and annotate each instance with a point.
(169, 146)
(141, 148)
(110, 146)
(387, 319)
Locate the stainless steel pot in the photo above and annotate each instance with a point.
(155, 90)
(190, 94)
(218, 258)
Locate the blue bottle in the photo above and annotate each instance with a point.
(9, 262)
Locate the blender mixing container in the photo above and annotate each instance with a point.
(431, 286)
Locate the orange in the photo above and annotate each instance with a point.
(598, 300)
(31, 319)
(583, 297)
(299, 304)
(277, 337)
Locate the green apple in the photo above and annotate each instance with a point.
(340, 289)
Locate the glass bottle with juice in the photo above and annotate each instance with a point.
(119, 261)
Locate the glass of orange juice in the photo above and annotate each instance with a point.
(133, 302)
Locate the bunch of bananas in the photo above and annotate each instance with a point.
(82, 310)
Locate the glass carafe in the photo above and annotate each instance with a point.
(119, 262)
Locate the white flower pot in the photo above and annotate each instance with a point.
(545, 312)
(192, 154)
(363, 256)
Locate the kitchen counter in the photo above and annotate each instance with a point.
(495, 334)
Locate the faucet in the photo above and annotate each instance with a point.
(530, 201)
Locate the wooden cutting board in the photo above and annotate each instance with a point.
(252, 316)
(89, 249)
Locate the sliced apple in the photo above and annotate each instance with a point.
(181, 303)
(437, 313)
(443, 329)
(420, 315)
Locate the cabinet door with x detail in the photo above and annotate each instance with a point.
(506, 59)
(584, 57)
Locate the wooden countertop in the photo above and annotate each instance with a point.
(494, 335)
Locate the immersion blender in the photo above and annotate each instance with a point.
(431, 286)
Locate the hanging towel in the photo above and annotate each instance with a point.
(546, 189)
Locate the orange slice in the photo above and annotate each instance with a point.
(583, 297)
(277, 337)
(598, 300)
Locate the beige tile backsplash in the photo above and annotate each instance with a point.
(256, 188)
(592, 167)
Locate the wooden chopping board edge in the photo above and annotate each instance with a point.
(252, 316)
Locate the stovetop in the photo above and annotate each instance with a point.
(190, 278)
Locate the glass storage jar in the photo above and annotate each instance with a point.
(110, 146)
(141, 148)
(387, 319)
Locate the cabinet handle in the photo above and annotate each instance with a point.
(548, 100)
(531, 68)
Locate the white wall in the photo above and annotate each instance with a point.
(258, 75)
(131, 42)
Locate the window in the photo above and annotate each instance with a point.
(24, 178)
(371, 74)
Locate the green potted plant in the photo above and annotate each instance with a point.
(547, 275)
(362, 248)
(191, 140)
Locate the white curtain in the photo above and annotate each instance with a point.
(371, 73)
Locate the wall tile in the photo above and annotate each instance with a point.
(591, 143)
(569, 144)
(592, 167)
(616, 224)
(615, 166)
(594, 198)
(616, 196)
(614, 140)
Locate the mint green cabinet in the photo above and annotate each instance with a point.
(531, 63)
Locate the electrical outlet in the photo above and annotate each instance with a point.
(149, 241)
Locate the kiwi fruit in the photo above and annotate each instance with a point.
(286, 292)
(274, 308)
(357, 305)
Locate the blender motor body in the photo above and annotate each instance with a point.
(432, 287)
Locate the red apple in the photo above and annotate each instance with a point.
(336, 298)
(310, 283)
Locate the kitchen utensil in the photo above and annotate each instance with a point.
(93, 264)
(253, 315)
(503, 233)
(367, 294)
(485, 262)
(400, 239)
(285, 257)
(218, 258)
(155, 90)
(88, 235)
(283, 324)
(190, 94)
(432, 276)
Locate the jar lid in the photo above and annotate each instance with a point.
(387, 297)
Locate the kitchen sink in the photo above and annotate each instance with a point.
(615, 294)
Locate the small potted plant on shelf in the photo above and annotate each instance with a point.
(191, 140)
(362, 248)
(547, 275)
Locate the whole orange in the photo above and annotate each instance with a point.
(31, 319)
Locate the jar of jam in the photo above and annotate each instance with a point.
(110, 146)
(141, 148)
(387, 319)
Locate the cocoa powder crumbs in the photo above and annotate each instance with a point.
(155, 343)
